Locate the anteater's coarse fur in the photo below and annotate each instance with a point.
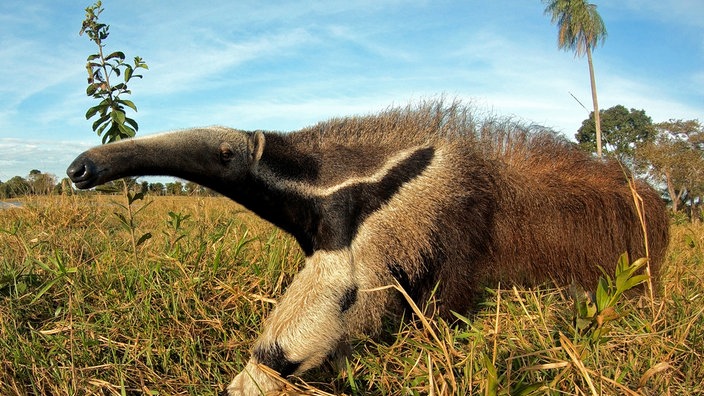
(428, 196)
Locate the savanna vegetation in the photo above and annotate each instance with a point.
(85, 311)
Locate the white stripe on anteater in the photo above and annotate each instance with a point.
(423, 196)
(309, 189)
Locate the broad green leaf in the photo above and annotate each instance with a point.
(91, 112)
(112, 134)
(464, 319)
(128, 73)
(144, 238)
(132, 123)
(591, 309)
(118, 116)
(100, 130)
(604, 274)
(100, 121)
(128, 103)
(126, 130)
(104, 105)
(117, 54)
(635, 281)
(95, 109)
(641, 262)
(626, 274)
(90, 90)
(622, 263)
(602, 294)
(136, 197)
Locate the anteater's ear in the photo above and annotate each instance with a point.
(255, 147)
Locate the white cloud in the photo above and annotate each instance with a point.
(30, 62)
(19, 156)
(199, 64)
(657, 102)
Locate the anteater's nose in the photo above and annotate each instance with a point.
(82, 172)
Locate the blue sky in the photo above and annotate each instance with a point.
(285, 65)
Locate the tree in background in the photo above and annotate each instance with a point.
(101, 69)
(580, 29)
(174, 188)
(157, 188)
(622, 131)
(194, 188)
(64, 187)
(15, 187)
(675, 158)
(41, 183)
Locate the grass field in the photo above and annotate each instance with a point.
(86, 309)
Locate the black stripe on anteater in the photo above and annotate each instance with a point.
(274, 357)
(349, 298)
(345, 210)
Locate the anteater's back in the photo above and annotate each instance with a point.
(444, 205)
(565, 213)
(515, 204)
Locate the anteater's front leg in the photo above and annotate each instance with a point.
(306, 326)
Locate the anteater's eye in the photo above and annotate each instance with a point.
(226, 153)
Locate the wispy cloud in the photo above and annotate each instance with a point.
(36, 73)
(27, 69)
(201, 64)
(19, 156)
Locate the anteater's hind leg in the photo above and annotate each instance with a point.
(306, 326)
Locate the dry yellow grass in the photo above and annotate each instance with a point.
(79, 316)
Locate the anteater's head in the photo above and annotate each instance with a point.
(213, 157)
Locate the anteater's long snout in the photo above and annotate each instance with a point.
(83, 172)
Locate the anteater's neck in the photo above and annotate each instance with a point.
(272, 190)
(323, 207)
(291, 211)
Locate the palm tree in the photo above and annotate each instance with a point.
(580, 28)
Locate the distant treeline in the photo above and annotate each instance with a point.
(38, 183)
